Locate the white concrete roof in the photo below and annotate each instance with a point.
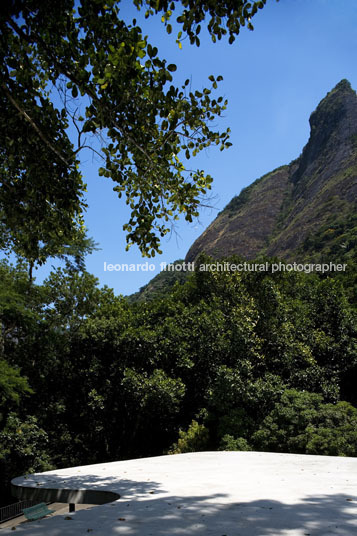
(210, 494)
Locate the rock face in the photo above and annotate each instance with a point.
(304, 210)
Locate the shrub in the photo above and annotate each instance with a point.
(302, 423)
(194, 439)
(228, 442)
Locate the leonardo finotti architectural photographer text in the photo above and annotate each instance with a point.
(228, 267)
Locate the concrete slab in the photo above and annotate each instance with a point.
(210, 494)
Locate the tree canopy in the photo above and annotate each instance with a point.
(80, 67)
(227, 360)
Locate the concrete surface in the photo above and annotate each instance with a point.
(210, 494)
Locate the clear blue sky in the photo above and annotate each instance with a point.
(274, 77)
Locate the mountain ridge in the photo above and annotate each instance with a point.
(279, 213)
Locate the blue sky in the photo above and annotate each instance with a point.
(274, 77)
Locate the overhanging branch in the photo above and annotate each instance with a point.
(33, 124)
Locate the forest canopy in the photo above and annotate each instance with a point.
(232, 361)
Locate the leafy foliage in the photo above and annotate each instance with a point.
(195, 439)
(161, 283)
(300, 422)
(80, 65)
(12, 386)
(227, 360)
(225, 16)
(229, 443)
(24, 445)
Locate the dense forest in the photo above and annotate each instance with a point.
(227, 360)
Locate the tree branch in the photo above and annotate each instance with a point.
(89, 90)
(33, 124)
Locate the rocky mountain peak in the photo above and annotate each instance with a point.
(337, 111)
(332, 124)
(303, 210)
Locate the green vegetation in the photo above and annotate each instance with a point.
(227, 360)
(194, 439)
(336, 239)
(160, 284)
(81, 66)
(301, 422)
(238, 201)
(234, 361)
(244, 196)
